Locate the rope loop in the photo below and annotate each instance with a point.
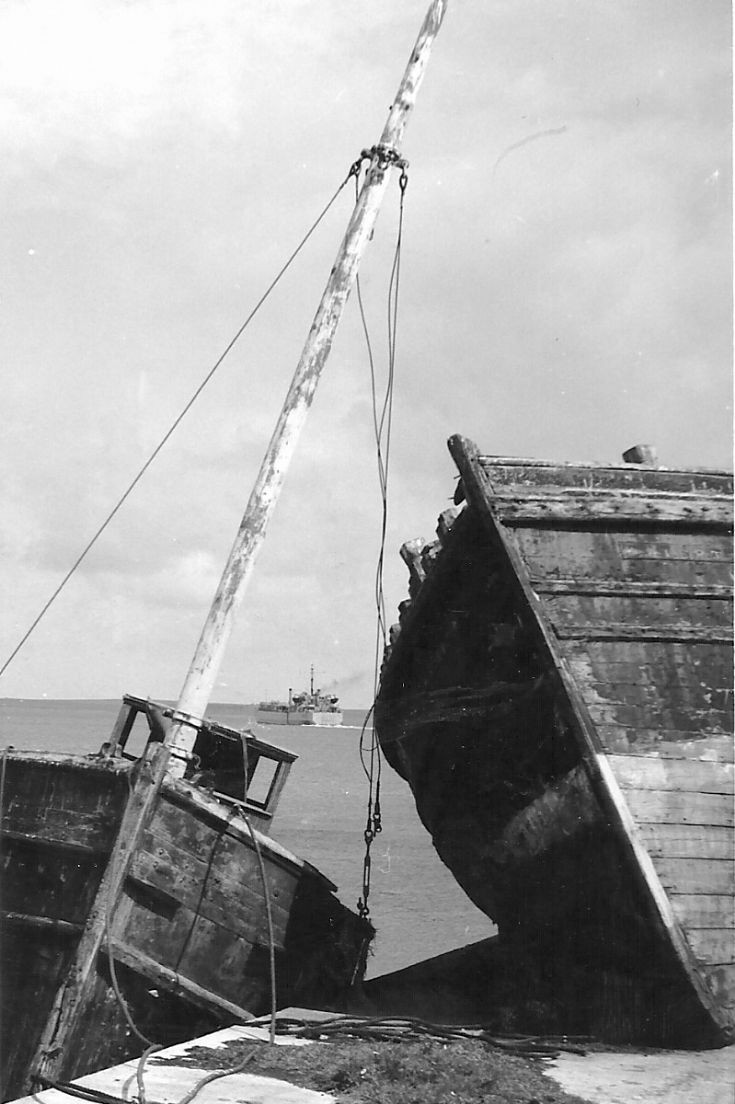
(356, 166)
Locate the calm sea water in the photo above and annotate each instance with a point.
(417, 907)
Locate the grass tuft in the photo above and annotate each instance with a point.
(425, 1071)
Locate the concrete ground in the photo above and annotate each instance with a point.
(653, 1077)
(620, 1077)
(172, 1082)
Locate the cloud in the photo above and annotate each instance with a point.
(162, 160)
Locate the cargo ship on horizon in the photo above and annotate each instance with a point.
(310, 707)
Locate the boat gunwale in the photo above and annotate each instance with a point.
(488, 460)
(182, 793)
(179, 791)
(91, 761)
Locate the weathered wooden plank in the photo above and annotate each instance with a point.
(656, 689)
(715, 747)
(75, 801)
(57, 884)
(654, 773)
(181, 826)
(200, 949)
(697, 910)
(190, 808)
(661, 693)
(696, 875)
(632, 589)
(58, 843)
(653, 685)
(680, 808)
(603, 508)
(721, 980)
(693, 841)
(679, 632)
(228, 867)
(664, 611)
(232, 899)
(673, 557)
(177, 983)
(509, 472)
(671, 665)
(24, 920)
(599, 496)
(670, 715)
(715, 946)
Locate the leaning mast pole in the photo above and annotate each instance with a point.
(200, 680)
(73, 995)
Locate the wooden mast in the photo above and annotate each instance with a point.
(73, 995)
(205, 664)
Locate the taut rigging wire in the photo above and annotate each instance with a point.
(354, 170)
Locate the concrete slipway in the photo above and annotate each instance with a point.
(652, 1077)
(625, 1077)
(169, 1083)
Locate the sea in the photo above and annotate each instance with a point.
(418, 909)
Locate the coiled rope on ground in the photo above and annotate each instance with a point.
(394, 1028)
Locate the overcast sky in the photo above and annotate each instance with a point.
(565, 294)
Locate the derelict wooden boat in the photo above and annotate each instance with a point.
(188, 937)
(559, 697)
(135, 864)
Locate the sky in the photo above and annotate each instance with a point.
(565, 293)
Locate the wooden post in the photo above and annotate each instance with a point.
(205, 664)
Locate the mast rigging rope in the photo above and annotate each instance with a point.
(382, 425)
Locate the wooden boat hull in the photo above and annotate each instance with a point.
(559, 699)
(322, 718)
(189, 935)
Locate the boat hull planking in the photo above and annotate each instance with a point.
(188, 935)
(559, 697)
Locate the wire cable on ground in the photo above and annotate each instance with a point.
(99, 1097)
(388, 1028)
(354, 170)
(81, 1091)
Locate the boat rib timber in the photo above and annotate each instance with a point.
(188, 935)
(558, 695)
